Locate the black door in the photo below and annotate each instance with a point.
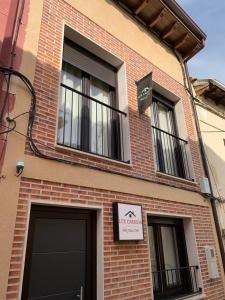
(61, 255)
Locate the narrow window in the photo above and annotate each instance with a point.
(170, 150)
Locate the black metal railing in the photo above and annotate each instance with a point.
(171, 154)
(89, 125)
(171, 283)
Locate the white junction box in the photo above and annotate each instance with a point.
(211, 262)
(204, 185)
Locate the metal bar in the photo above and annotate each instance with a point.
(71, 130)
(111, 135)
(107, 132)
(195, 278)
(64, 119)
(191, 279)
(96, 125)
(177, 279)
(102, 132)
(91, 98)
(121, 129)
(186, 159)
(176, 137)
(78, 120)
(171, 154)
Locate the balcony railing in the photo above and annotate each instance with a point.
(171, 154)
(175, 283)
(89, 125)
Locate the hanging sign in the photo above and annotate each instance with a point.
(127, 221)
(144, 92)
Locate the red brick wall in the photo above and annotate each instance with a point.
(126, 264)
(47, 83)
(126, 268)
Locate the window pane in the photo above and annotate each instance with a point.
(170, 254)
(163, 118)
(155, 274)
(100, 118)
(165, 144)
(152, 249)
(70, 104)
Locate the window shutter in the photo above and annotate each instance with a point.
(79, 59)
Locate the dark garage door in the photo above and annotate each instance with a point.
(60, 258)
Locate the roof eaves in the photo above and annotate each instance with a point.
(187, 20)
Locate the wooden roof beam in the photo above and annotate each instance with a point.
(181, 41)
(193, 50)
(170, 30)
(157, 17)
(140, 7)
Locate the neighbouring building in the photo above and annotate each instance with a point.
(210, 103)
(100, 200)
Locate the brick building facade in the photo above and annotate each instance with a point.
(93, 182)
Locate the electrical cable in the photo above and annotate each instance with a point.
(9, 129)
(2, 113)
(33, 142)
(13, 54)
(24, 113)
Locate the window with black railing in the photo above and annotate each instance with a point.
(175, 282)
(172, 276)
(88, 117)
(170, 149)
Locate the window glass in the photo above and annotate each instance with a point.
(70, 107)
(152, 248)
(170, 253)
(100, 117)
(169, 150)
(88, 119)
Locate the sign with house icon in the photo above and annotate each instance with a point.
(127, 220)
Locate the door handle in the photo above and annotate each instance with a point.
(81, 295)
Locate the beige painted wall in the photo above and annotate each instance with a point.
(215, 147)
(119, 24)
(212, 126)
(43, 169)
(9, 185)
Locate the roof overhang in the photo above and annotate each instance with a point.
(169, 22)
(210, 89)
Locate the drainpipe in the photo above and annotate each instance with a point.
(206, 167)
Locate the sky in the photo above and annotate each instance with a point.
(210, 17)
